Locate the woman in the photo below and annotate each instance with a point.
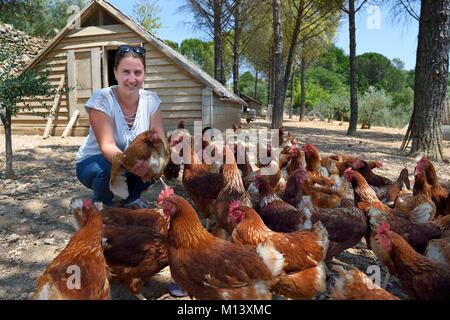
(117, 115)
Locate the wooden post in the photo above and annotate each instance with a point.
(70, 124)
(207, 107)
(71, 79)
(52, 112)
(105, 67)
(95, 69)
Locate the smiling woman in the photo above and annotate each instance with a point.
(118, 114)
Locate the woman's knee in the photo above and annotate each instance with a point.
(94, 169)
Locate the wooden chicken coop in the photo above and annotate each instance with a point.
(81, 56)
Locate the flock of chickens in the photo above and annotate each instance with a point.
(265, 234)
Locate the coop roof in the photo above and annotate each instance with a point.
(188, 66)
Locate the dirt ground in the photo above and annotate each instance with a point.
(34, 224)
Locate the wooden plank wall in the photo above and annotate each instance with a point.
(225, 114)
(180, 94)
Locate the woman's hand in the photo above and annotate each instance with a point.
(141, 169)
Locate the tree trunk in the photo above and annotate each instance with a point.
(277, 115)
(353, 77)
(302, 90)
(236, 47)
(219, 72)
(293, 45)
(291, 100)
(6, 120)
(269, 92)
(256, 85)
(430, 87)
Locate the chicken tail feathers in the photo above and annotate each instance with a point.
(272, 258)
(118, 181)
(76, 215)
(322, 236)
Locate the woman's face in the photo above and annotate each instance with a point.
(130, 74)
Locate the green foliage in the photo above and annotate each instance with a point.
(335, 107)
(315, 95)
(173, 44)
(146, 13)
(199, 52)
(402, 100)
(330, 81)
(247, 87)
(373, 70)
(335, 60)
(42, 18)
(376, 109)
(386, 88)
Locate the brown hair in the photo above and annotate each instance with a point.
(120, 55)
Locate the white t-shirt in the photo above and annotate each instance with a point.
(106, 101)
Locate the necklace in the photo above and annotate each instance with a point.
(129, 119)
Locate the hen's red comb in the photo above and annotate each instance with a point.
(87, 203)
(383, 227)
(348, 170)
(167, 192)
(234, 205)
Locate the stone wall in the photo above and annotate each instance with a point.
(12, 38)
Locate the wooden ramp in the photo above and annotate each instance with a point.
(52, 112)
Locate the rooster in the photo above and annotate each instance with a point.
(146, 146)
(211, 268)
(134, 244)
(80, 261)
(419, 276)
(304, 252)
(355, 285)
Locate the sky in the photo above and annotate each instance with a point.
(375, 30)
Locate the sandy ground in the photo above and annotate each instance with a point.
(34, 224)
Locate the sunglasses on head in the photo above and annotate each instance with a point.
(126, 48)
